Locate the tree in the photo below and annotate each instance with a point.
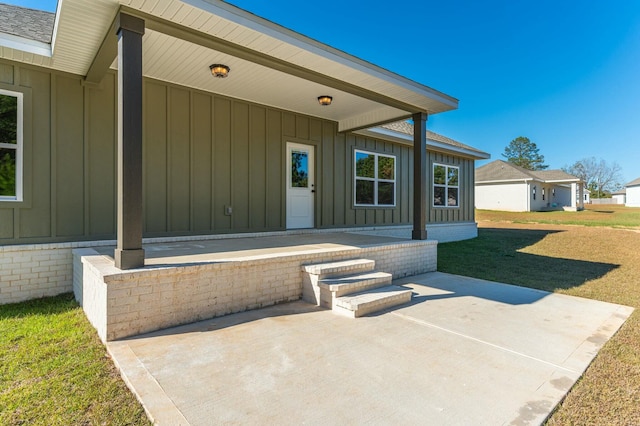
(599, 177)
(524, 153)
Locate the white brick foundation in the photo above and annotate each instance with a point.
(37, 270)
(30, 272)
(441, 232)
(125, 303)
(447, 232)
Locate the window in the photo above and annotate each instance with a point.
(543, 193)
(375, 179)
(445, 186)
(10, 146)
(299, 169)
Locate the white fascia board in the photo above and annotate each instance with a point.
(271, 29)
(406, 139)
(563, 181)
(25, 45)
(478, 155)
(507, 181)
(383, 133)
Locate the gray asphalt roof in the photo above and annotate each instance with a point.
(28, 23)
(407, 128)
(500, 170)
(634, 182)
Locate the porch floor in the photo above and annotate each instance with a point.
(236, 248)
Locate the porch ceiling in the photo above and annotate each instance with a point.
(270, 64)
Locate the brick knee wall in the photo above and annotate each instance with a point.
(125, 303)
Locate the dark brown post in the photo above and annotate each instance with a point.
(419, 176)
(129, 253)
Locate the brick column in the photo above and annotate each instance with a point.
(129, 253)
(419, 176)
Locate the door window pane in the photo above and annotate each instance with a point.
(299, 169)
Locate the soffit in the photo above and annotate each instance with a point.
(81, 27)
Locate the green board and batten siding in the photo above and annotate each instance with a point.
(202, 152)
(466, 211)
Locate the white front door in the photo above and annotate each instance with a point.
(300, 186)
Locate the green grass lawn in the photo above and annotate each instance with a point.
(55, 371)
(612, 215)
(597, 262)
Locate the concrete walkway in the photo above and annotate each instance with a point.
(465, 351)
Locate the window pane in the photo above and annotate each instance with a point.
(452, 199)
(8, 119)
(365, 165)
(385, 193)
(299, 169)
(386, 168)
(8, 172)
(438, 196)
(452, 177)
(364, 191)
(439, 175)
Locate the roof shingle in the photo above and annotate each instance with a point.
(407, 128)
(633, 182)
(28, 23)
(500, 170)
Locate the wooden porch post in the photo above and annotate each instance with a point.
(129, 253)
(419, 176)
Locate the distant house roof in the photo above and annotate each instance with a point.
(621, 192)
(635, 182)
(554, 175)
(403, 131)
(32, 24)
(503, 171)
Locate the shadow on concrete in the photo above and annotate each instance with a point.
(285, 309)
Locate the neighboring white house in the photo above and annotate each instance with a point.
(619, 197)
(587, 196)
(504, 186)
(633, 193)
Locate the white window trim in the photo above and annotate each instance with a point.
(19, 148)
(446, 185)
(375, 179)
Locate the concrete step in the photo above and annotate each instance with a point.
(363, 303)
(343, 267)
(344, 285)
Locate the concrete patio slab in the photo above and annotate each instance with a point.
(464, 351)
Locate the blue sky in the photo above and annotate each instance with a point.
(565, 74)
